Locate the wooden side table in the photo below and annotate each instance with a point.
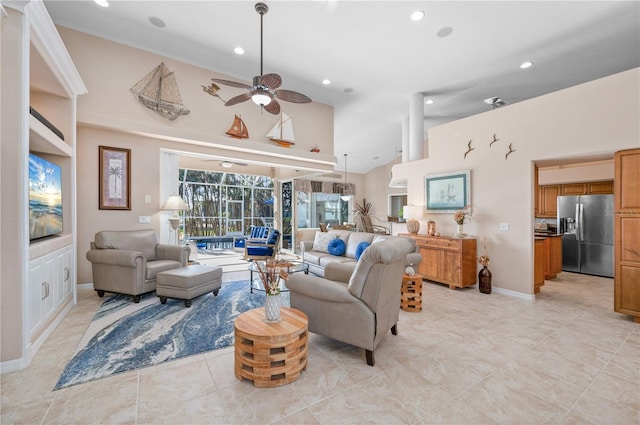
(411, 293)
(270, 354)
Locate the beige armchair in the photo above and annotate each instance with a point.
(127, 262)
(360, 307)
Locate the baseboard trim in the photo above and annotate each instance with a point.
(516, 294)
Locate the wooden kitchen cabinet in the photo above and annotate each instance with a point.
(447, 260)
(626, 245)
(574, 189)
(552, 256)
(548, 198)
(538, 264)
(588, 188)
(600, 188)
(547, 195)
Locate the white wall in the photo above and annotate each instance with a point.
(565, 124)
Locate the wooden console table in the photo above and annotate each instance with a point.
(448, 260)
(270, 354)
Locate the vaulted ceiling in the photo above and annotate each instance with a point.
(458, 55)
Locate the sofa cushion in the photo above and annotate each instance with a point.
(354, 240)
(337, 247)
(143, 241)
(321, 241)
(342, 234)
(155, 267)
(332, 258)
(273, 236)
(313, 257)
(380, 238)
(360, 249)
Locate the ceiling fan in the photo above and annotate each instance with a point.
(264, 91)
(226, 163)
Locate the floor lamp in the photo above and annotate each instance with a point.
(175, 204)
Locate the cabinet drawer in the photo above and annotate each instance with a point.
(441, 243)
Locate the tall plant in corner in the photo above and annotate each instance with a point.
(361, 212)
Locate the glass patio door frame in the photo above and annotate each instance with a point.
(231, 206)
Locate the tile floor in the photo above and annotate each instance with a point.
(467, 358)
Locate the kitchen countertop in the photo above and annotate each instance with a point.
(546, 235)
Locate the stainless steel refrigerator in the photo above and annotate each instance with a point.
(586, 225)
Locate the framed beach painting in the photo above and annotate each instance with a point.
(447, 193)
(114, 166)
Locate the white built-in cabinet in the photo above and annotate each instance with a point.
(51, 287)
(38, 277)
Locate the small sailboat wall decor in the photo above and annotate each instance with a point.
(158, 91)
(282, 132)
(238, 130)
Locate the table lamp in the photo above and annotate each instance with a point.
(175, 204)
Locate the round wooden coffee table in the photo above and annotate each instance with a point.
(270, 354)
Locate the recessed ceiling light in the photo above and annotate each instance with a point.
(417, 15)
(157, 22)
(444, 32)
(429, 101)
(238, 50)
(527, 64)
(326, 82)
(103, 3)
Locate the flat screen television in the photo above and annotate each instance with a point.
(45, 198)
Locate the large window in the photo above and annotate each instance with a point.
(327, 208)
(224, 203)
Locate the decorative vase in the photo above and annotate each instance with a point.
(461, 233)
(431, 228)
(413, 226)
(484, 280)
(272, 308)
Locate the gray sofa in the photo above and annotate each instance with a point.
(361, 308)
(318, 258)
(127, 262)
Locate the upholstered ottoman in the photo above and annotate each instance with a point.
(189, 282)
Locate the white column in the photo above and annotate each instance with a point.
(416, 127)
(405, 139)
(168, 187)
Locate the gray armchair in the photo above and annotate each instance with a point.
(127, 262)
(360, 307)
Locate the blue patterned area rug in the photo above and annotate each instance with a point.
(124, 336)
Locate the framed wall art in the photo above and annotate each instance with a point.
(447, 193)
(114, 166)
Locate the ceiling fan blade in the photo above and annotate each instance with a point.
(231, 83)
(292, 96)
(273, 107)
(238, 99)
(273, 81)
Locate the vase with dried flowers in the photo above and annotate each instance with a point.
(484, 275)
(271, 273)
(460, 216)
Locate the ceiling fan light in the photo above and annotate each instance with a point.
(261, 99)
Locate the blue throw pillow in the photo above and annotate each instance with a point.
(337, 247)
(360, 249)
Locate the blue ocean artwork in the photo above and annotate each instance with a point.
(45, 198)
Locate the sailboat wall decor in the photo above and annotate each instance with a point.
(158, 91)
(282, 132)
(238, 129)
